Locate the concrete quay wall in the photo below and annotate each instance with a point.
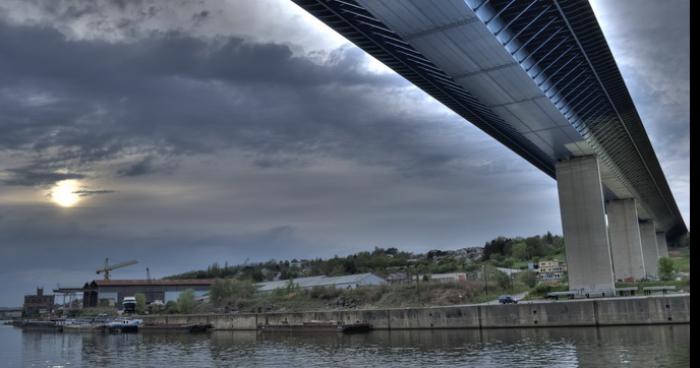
(595, 312)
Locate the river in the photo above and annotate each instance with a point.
(633, 346)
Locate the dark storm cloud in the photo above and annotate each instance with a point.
(143, 167)
(171, 94)
(30, 177)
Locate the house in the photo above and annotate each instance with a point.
(552, 266)
(552, 271)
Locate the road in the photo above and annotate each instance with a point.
(517, 297)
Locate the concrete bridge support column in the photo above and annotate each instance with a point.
(625, 240)
(583, 220)
(661, 245)
(649, 248)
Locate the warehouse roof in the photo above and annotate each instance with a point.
(183, 282)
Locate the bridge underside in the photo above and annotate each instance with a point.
(536, 75)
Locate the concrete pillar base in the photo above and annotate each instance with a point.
(583, 221)
(625, 240)
(651, 252)
(661, 245)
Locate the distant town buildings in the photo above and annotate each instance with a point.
(470, 254)
(38, 304)
(474, 253)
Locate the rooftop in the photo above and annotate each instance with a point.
(184, 282)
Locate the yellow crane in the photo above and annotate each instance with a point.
(109, 268)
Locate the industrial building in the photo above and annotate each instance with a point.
(112, 292)
(38, 304)
(341, 282)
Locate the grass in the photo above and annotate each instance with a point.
(680, 258)
(366, 297)
(540, 291)
(681, 285)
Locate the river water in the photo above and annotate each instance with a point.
(642, 346)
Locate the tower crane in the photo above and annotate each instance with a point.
(109, 268)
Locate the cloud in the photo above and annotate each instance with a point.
(88, 193)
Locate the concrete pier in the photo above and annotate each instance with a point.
(625, 240)
(649, 248)
(645, 310)
(661, 245)
(583, 222)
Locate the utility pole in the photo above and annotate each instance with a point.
(486, 283)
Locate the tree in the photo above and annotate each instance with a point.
(519, 251)
(496, 246)
(292, 287)
(140, 303)
(666, 268)
(186, 301)
(535, 248)
(549, 238)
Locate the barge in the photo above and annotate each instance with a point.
(190, 327)
(318, 326)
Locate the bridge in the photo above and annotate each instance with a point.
(538, 76)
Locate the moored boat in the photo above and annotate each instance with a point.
(123, 325)
(79, 324)
(36, 324)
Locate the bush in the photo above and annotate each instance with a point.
(502, 279)
(528, 278)
(186, 302)
(325, 293)
(140, 303)
(666, 268)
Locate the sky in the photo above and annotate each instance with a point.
(182, 133)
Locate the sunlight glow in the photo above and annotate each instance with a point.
(63, 193)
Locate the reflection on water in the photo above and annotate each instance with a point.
(642, 346)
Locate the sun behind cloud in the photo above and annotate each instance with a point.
(64, 193)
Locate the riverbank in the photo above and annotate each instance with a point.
(642, 310)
